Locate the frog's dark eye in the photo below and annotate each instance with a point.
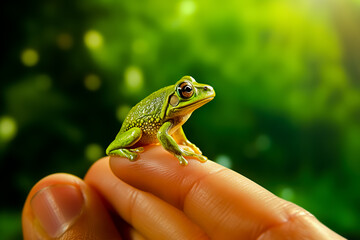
(185, 90)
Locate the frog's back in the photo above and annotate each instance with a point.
(147, 114)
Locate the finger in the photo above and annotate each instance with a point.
(150, 216)
(300, 226)
(221, 201)
(62, 206)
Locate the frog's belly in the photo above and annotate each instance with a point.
(148, 138)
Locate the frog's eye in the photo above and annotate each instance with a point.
(185, 90)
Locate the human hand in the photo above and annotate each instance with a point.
(156, 198)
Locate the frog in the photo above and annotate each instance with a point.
(159, 118)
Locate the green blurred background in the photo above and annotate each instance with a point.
(286, 74)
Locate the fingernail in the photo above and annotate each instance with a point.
(57, 207)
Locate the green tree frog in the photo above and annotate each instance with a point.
(159, 118)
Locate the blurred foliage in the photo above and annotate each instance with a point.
(286, 73)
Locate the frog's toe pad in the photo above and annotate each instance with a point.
(137, 150)
(202, 158)
(132, 156)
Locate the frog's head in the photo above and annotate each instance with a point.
(188, 95)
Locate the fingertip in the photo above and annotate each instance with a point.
(62, 206)
(38, 218)
(299, 224)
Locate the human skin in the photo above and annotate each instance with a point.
(156, 198)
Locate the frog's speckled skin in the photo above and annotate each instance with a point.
(146, 115)
(159, 118)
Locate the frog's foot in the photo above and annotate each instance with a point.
(199, 157)
(194, 148)
(181, 159)
(137, 150)
(123, 152)
(188, 149)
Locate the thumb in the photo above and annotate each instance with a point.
(62, 206)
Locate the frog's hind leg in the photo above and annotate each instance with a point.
(123, 141)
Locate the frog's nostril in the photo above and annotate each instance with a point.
(208, 88)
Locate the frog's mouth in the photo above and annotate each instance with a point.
(195, 105)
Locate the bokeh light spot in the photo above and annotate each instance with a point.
(65, 41)
(8, 128)
(92, 82)
(133, 79)
(122, 112)
(224, 160)
(187, 7)
(93, 152)
(93, 39)
(29, 57)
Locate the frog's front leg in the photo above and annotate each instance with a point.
(122, 143)
(170, 145)
(181, 139)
